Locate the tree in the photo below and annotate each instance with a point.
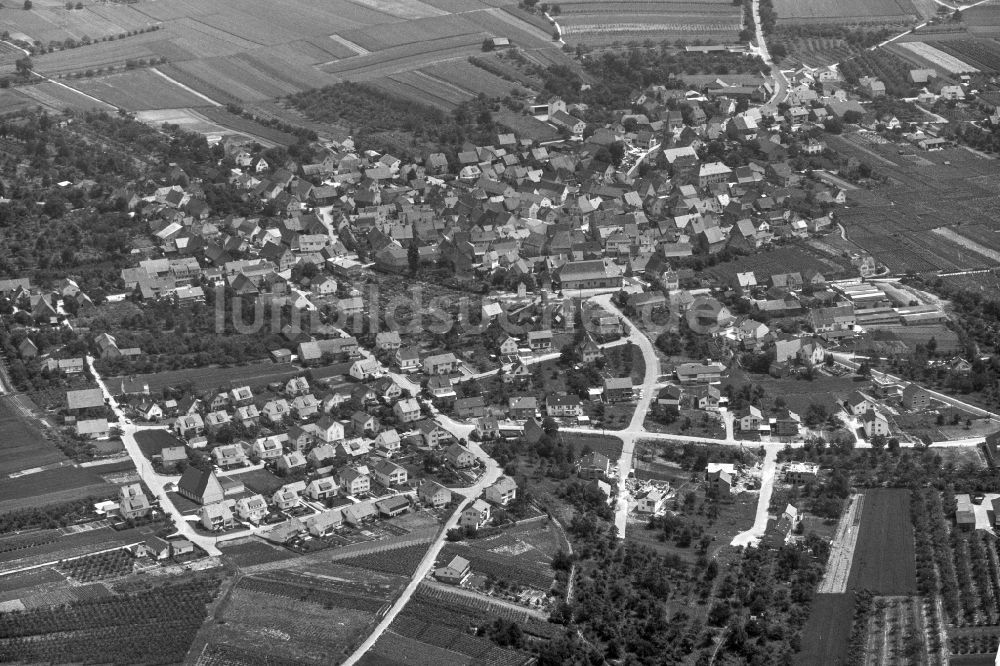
(413, 257)
(27, 4)
(23, 65)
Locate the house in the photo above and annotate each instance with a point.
(353, 480)
(916, 398)
(248, 416)
(328, 429)
(200, 486)
(190, 426)
(433, 494)
(388, 443)
(502, 492)
(407, 410)
(476, 515)
(356, 515)
(393, 506)
(242, 396)
(275, 410)
(471, 407)
(171, 457)
(522, 406)
(618, 389)
(363, 422)
(800, 472)
(407, 359)
(705, 397)
(589, 274)
(459, 456)
(651, 501)
(132, 502)
(325, 523)
(364, 368)
(875, 424)
(965, 514)
(251, 509)
(388, 341)
(455, 572)
(216, 421)
(563, 406)
(232, 455)
(749, 419)
(440, 364)
(432, 433)
(290, 462)
(540, 341)
(296, 386)
(594, 465)
(691, 373)
(389, 474)
(322, 488)
(92, 429)
(719, 480)
(216, 517)
(857, 404)
(81, 400)
(287, 497)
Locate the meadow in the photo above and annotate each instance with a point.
(845, 11)
(23, 446)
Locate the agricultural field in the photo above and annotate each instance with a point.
(596, 23)
(155, 625)
(944, 63)
(51, 487)
(883, 557)
(255, 376)
(896, 632)
(252, 551)
(23, 445)
(888, 65)
(441, 619)
(826, 634)
(514, 562)
(400, 561)
(138, 90)
(61, 97)
(13, 101)
(952, 184)
(228, 54)
(313, 612)
(846, 11)
(49, 546)
(983, 54)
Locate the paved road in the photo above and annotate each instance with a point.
(780, 82)
(490, 475)
(768, 474)
(156, 482)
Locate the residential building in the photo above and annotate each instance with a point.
(354, 481)
(618, 389)
(476, 515)
(502, 491)
(433, 494)
(132, 502)
(217, 517)
(389, 474)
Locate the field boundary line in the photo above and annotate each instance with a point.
(184, 87)
(967, 243)
(845, 539)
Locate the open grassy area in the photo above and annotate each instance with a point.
(51, 487)
(23, 445)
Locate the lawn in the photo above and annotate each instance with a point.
(259, 481)
(152, 442)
